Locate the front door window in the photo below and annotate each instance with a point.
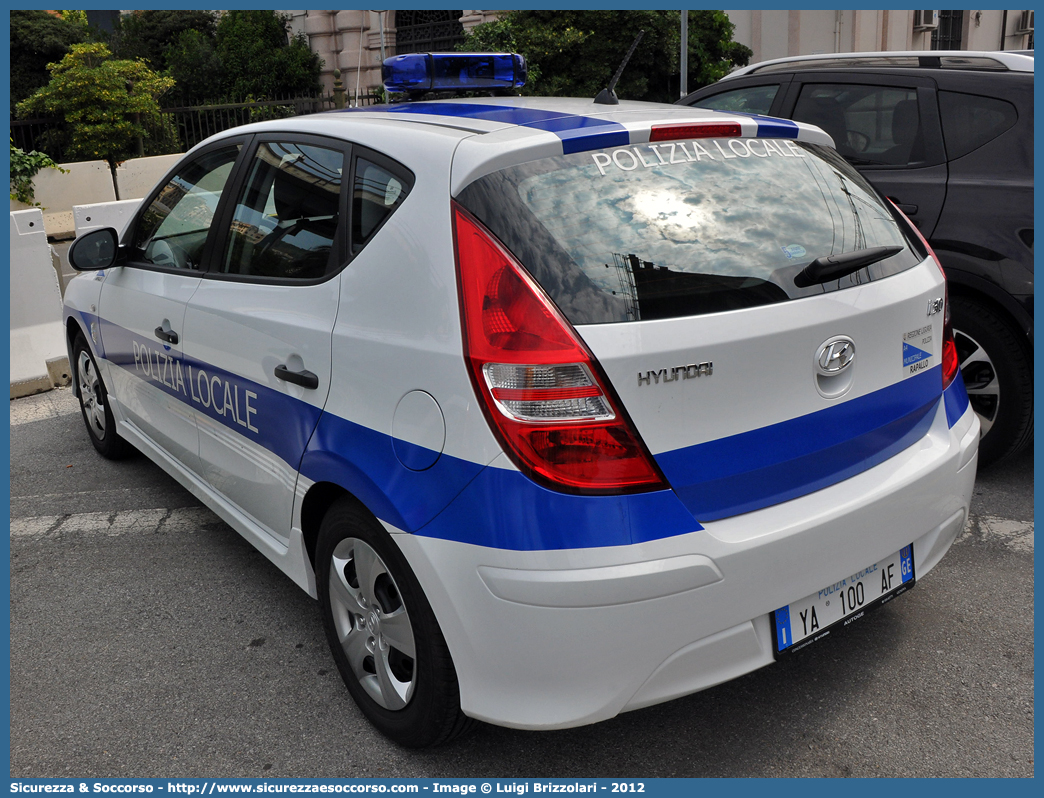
(173, 229)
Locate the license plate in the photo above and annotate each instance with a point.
(839, 604)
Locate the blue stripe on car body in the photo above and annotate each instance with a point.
(777, 129)
(578, 133)
(768, 465)
(281, 423)
(956, 398)
(363, 461)
(504, 509)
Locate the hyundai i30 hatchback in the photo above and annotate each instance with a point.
(558, 409)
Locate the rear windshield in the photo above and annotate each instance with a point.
(675, 229)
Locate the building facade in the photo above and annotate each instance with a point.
(355, 42)
(777, 34)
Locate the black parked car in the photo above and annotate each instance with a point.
(948, 136)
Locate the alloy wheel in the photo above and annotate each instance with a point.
(980, 379)
(91, 394)
(373, 625)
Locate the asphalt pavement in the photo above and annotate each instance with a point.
(149, 640)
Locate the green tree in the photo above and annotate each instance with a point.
(576, 53)
(712, 53)
(260, 58)
(38, 38)
(194, 64)
(107, 104)
(151, 34)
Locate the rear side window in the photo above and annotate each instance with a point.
(684, 228)
(969, 121)
(380, 188)
(751, 99)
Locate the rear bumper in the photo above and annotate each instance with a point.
(547, 639)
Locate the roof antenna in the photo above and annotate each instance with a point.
(607, 96)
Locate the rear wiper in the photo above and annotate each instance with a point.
(834, 267)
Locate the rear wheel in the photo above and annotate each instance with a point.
(94, 404)
(997, 369)
(382, 632)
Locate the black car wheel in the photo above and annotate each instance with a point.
(997, 368)
(94, 404)
(382, 632)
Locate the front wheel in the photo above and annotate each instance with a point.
(382, 632)
(997, 368)
(94, 404)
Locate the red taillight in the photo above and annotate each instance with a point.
(542, 391)
(703, 130)
(950, 361)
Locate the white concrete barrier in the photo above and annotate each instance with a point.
(91, 182)
(87, 181)
(39, 360)
(138, 176)
(104, 214)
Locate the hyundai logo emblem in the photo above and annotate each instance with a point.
(835, 356)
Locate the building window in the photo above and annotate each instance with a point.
(948, 34)
(427, 31)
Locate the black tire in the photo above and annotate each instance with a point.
(417, 704)
(94, 403)
(997, 367)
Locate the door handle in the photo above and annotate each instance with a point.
(303, 378)
(169, 336)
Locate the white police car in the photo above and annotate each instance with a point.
(559, 409)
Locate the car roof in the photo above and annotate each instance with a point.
(494, 114)
(978, 60)
(578, 120)
(491, 132)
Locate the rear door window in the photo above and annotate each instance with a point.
(684, 228)
(869, 124)
(969, 121)
(286, 220)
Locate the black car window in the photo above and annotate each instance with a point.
(750, 99)
(173, 229)
(380, 188)
(969, 121)
(869, 124)
(286, 219)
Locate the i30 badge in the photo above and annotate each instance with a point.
(835, 356)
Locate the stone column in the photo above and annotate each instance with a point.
(318, 26)
(360, 55)
(473, 18)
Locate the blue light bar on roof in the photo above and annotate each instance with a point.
(453, 71)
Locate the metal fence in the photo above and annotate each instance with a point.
(197, 122)
(30, 134)
(190, 122)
